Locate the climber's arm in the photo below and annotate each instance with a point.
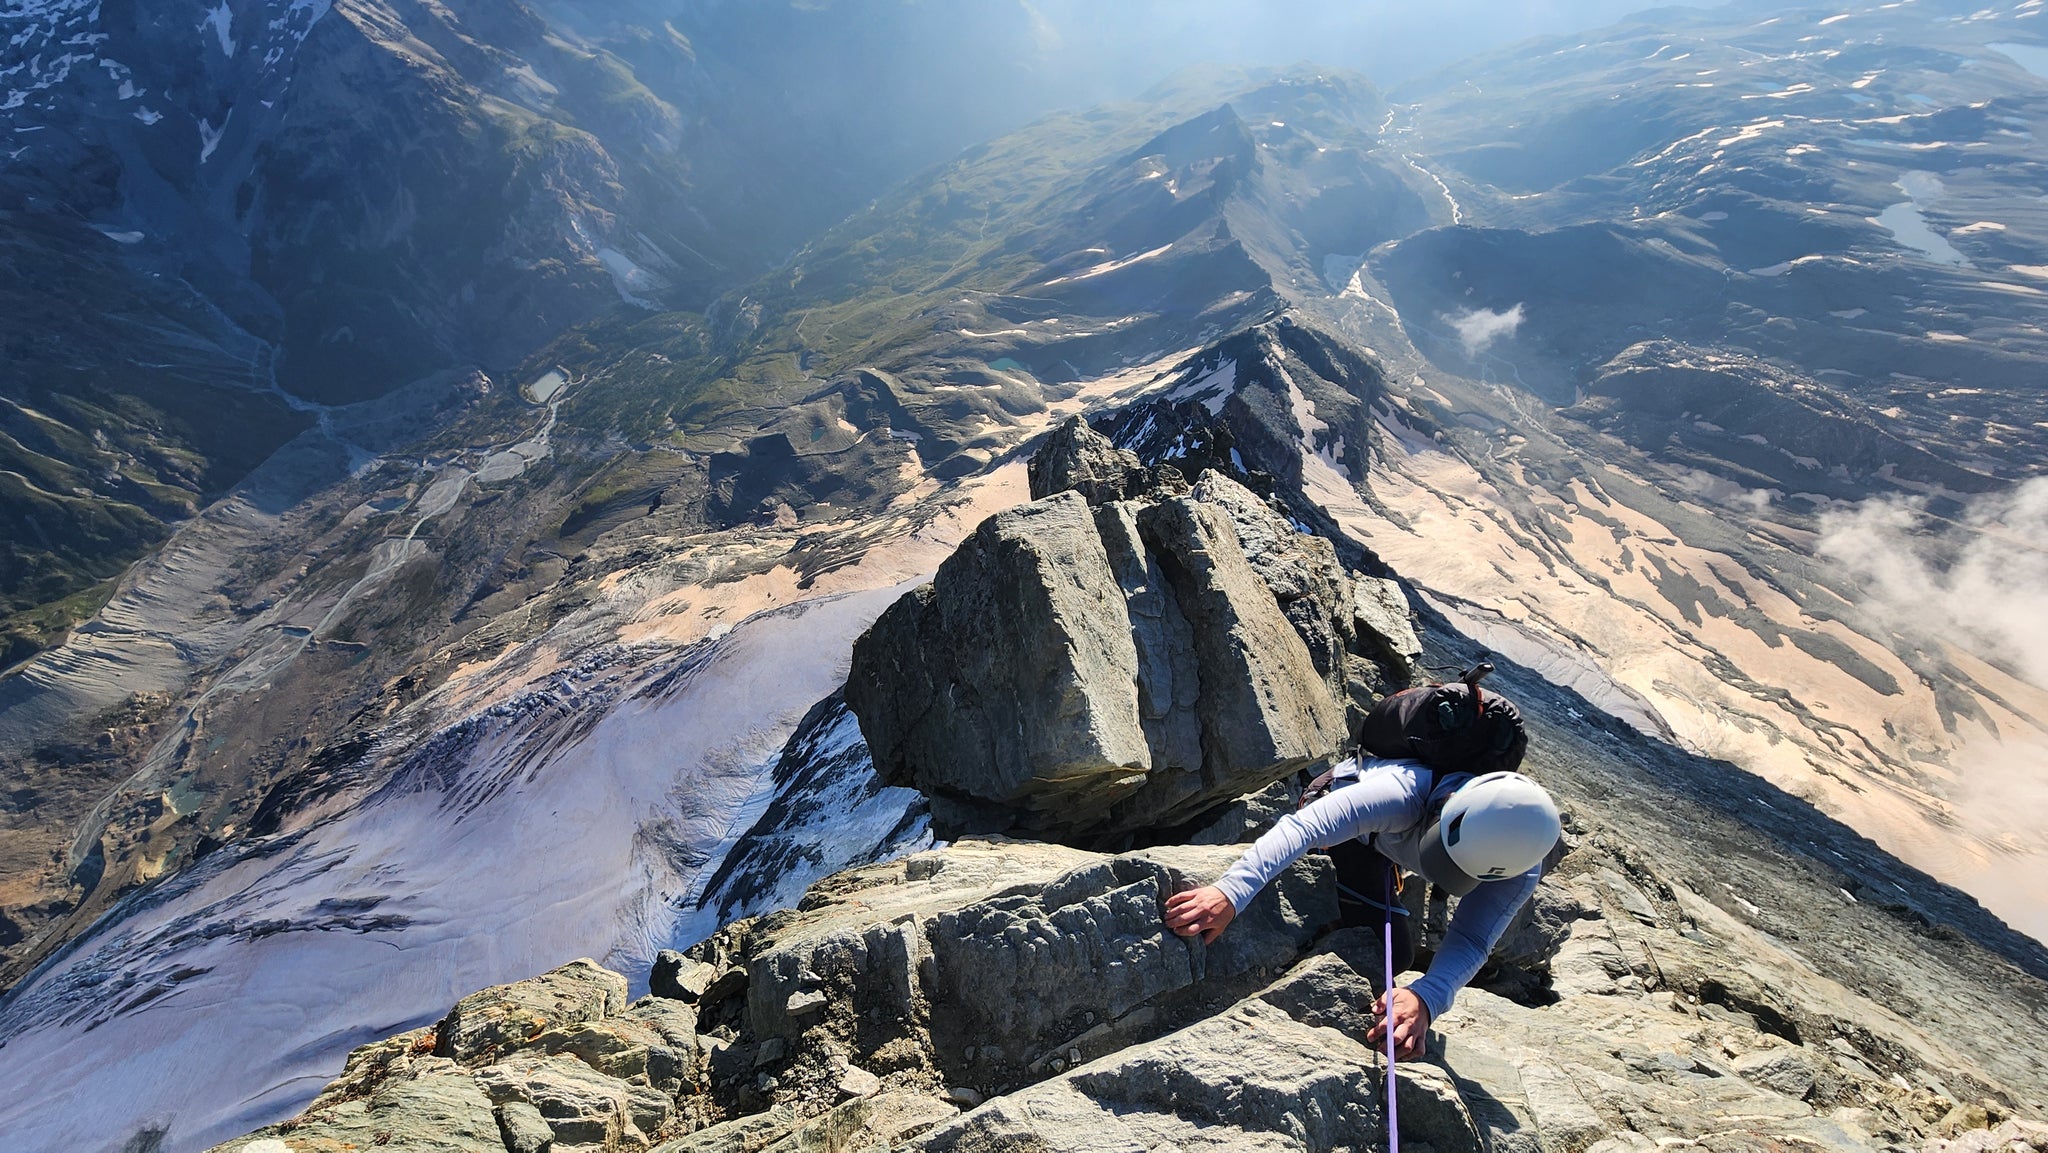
(1391, 796)
(1482, 916)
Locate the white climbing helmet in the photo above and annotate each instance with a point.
(1495, 826)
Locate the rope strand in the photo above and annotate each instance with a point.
(1387, 999)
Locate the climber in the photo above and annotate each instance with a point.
(1484, 838)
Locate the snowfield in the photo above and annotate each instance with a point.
(577, 818)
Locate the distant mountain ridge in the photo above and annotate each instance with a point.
(222, 214)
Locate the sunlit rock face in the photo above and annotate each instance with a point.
(1088, 666)
(997, 992)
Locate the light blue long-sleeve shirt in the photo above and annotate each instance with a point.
(1388, 803)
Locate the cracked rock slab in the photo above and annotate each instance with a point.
(1255, 1077)
(505, 1017)
(441, 1113)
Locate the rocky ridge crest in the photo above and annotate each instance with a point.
(995, 994)
(1000, 994)
(1123, 653)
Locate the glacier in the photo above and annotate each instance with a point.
(585, 816)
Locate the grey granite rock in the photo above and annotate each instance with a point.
(1252, 1077)
(1169, 676)
(1077, 458)
(1009, 680)
(1264, 709)
(739, 1135)
(1385, 623)
(524, 1129)
(678, 977)
(580, 1105)
(674, 1022)
(975, 948)
(1081, 677)
(875, 1124)
(439, 1113)
(503, 1018)
(1004, 966)
(1301, 570)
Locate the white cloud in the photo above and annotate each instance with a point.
(1482, 327)
(1979, 582)
(1999, 796)
(1719, 490)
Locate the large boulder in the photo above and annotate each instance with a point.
(992, 964)
(581, 1107)
(1301, 571)
(1008, 681)
(496, 1020)
(1253, 1073)
(1082, 673)
(1385, 624)
(442, 1112)
(1261, 706)
(1076, 458)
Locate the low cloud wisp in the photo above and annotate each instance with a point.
(1481, 327)
(1979, 582)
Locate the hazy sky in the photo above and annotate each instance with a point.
(1388, 40)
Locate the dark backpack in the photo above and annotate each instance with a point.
(1453, 728)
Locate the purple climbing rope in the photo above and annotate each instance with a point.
(1387, 999)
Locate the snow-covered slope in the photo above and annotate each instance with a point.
(65, 57)
(582, 815)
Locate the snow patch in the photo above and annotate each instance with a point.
(209, 136)
(1311, 426)
(221, 19)
(1212, 387)
(1751, 131)
(569, 820)
(1108, 266)
(1784, 267)
(629, 278)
